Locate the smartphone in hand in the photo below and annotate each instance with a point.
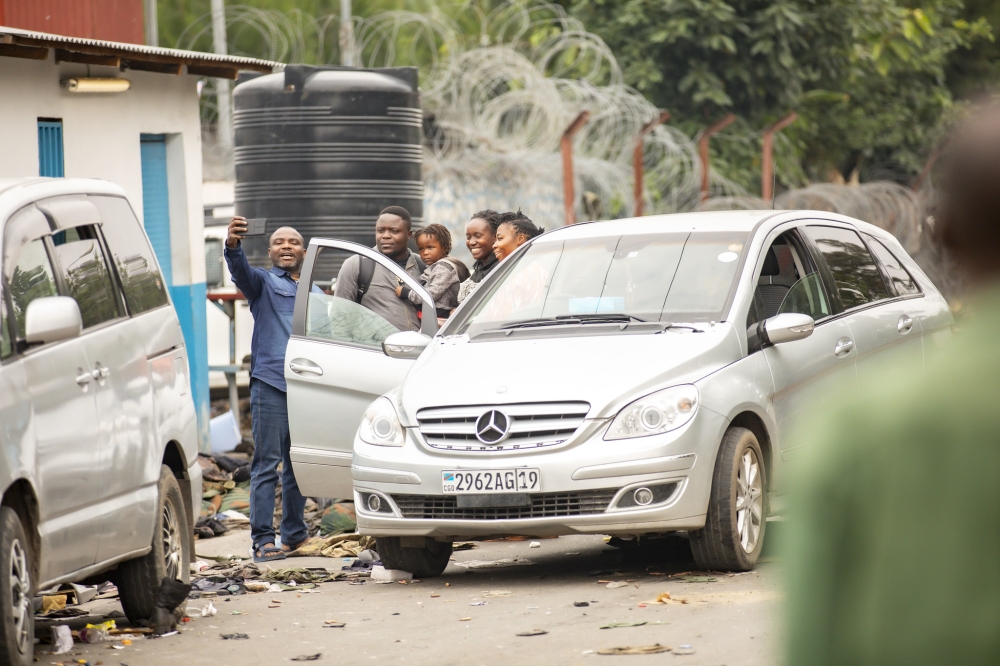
(256, 226)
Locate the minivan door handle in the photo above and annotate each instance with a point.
(844, 347)
(904, 324)
(304, 365)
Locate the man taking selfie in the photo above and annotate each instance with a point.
(271, 294)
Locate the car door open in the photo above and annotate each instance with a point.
(334, 363)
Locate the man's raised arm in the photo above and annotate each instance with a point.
(247, 279)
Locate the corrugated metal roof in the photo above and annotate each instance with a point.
(136, 52)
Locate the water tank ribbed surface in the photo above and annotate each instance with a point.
(324, 149)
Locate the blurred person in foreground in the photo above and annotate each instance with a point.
(894, 545)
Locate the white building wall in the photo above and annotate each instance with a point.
(101, 138)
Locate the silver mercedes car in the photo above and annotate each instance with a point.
(624, 377)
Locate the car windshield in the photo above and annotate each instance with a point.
(672, 277)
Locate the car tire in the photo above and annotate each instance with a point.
(737, 509)
(17, 615)
(425, 561)
(139, 580)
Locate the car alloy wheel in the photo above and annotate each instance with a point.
(749, 501)
(170, 531)
(20, 587)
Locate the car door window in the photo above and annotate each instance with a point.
(32, 277)
(339, 319)
(901, 280)
(857, 278)
(86, 274)
(141, 279)
(807, 297)
(6, 336)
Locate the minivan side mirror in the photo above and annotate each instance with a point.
(405, 344)
(51, 319)
(786, 327)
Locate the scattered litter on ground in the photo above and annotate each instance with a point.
(169, 596)
(464, 619)
(52, 603)
(684, 649)
(691, 578)
(200, 565)
(533, 632)
(234, 637)
(62, 639)
(338, 545)
(479, 603)
(615, 584)
(618, 625)
(665, 598)
(581, 604)
(256, 585)
(607, 572)
(334, 624)
(497, 593)
(381, 574)
(535, 544)
(642, 649)
(64, 614)
(463, 545)
(435, 596)
(308, 657)
(494, 564)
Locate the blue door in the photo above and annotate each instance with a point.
(156, 200)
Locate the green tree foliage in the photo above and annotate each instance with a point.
(868, 77)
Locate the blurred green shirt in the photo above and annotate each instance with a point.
(893, 550)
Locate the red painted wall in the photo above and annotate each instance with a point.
(112, 20)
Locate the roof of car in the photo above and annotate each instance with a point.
(734, 220)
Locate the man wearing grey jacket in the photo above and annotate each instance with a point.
(392, 236)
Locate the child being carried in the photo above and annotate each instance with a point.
(443, 274)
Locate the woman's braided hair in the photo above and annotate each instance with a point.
(521, 224)
(491, 216)
(440, 232)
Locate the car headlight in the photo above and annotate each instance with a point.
(380, 425)
(656, 413)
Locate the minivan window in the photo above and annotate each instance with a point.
(140, 276)
(86, 274)
(902, 282)
(672, 277)
(6, 343)
(856, 276)
(31, 278)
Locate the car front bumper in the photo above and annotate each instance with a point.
(583, 481)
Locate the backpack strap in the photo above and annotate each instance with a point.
(460, 268)
(365, 275)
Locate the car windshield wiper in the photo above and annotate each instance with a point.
(562, 320)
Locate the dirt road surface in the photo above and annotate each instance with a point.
(472, 616)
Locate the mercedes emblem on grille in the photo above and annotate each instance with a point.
(492, 427)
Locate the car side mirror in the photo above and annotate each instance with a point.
(405, 344)
(51, 319)
(786, 327)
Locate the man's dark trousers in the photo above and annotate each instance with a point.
(269, 411)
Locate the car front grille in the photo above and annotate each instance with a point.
(543, 505)
(526, 425)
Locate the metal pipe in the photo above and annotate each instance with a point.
(637, 166)
(703, 149)
(152, 25)
(566, 146)
(346, 34)
(225, 105)
(767, 158)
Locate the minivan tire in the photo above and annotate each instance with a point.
(17, 614)
(139, 580)
(740, 478)
(426, 561)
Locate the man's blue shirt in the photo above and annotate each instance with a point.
(271, 294)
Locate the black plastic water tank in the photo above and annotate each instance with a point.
(324, 149)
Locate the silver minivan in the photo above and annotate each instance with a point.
(98, 437)
(623, 377)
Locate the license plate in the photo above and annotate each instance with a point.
(473, 481)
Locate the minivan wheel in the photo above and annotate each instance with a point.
(424, 561)
(17, 618)
(139, 580)
(737, 510)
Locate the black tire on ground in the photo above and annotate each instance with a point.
(423, 562)
(138, 580)
(719, 546)
(17, 615)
